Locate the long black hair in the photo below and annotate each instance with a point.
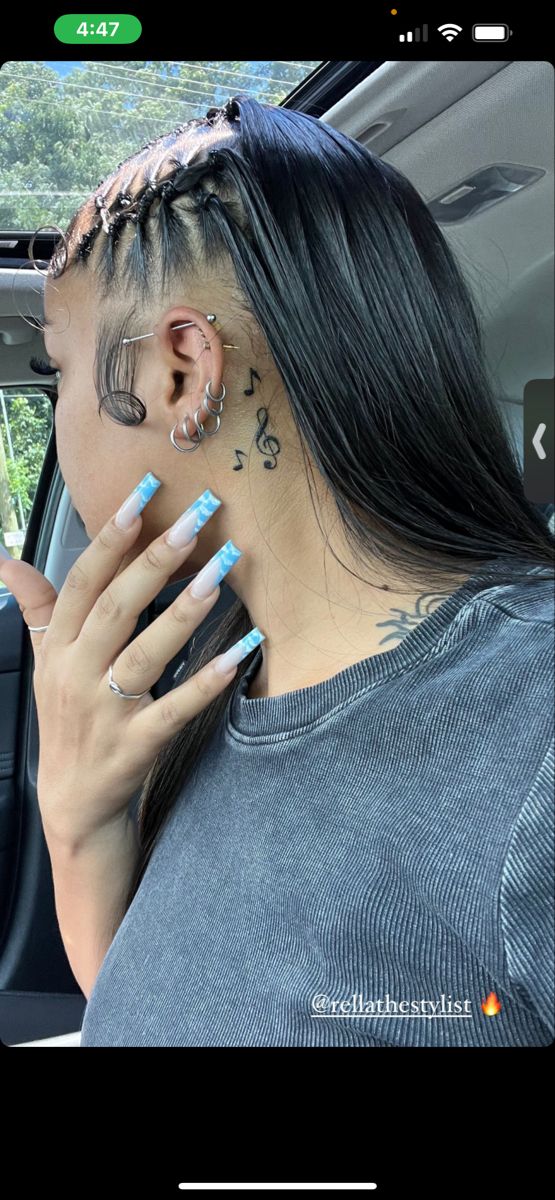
(330, 248)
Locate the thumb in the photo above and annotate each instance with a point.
(35, 595)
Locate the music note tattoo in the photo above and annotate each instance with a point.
(239, 466)
(270, 445)
(254, 374)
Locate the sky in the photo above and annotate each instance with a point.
(63, 68)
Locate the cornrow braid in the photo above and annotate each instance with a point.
(135, 209)
(189, 175)
(185, 178)
(167, 190)
(126, 207)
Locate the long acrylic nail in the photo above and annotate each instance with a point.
(214, 571)
(135, 503)
(193, 519)
(237, 652)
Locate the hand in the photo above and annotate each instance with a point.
(97, 748)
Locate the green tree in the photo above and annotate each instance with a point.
(30, 419)
(61, 135)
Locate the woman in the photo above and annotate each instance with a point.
(348, 845)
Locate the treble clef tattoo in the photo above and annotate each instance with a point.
(270, 445)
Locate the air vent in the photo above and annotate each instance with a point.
(480, 190)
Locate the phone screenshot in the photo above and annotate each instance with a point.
(277, 593)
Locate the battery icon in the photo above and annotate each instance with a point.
(491, 33)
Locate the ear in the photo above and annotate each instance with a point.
(190, 341)
(194, 353)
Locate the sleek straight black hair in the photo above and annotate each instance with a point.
(329, 246)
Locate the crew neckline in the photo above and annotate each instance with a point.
(272, 717)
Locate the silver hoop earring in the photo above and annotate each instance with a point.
(201, 427)
(218, 401)
(185, 449)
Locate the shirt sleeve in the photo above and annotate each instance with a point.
(527, 898)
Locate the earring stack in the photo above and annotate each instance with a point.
(215, 405)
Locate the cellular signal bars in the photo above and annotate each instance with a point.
(409, 37)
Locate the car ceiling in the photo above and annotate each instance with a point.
(440, 121)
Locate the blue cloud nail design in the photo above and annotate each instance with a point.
(225, 558)
(146, 489)
(252, 639)
(205, 506)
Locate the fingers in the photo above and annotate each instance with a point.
(163, 718)
(35, 595)
(115, 614)
(141, 664)
(97, 565)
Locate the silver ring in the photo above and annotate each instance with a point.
(185, 449)
(124, 695)
(37, 628)
(206, 432)
(218, 400)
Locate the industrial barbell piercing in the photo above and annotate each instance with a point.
(209, 317)
(140, 336)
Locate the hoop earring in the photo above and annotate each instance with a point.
(218, 401)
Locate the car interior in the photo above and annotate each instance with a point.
(476, 139)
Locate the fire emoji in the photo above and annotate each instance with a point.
(491, 1006)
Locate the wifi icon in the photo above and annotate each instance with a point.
(449, 31)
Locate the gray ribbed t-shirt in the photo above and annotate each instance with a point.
(363, 862)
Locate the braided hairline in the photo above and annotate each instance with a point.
(185, 177)
(166, 190)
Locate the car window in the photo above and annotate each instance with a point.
(63, 125)
(26, 420)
